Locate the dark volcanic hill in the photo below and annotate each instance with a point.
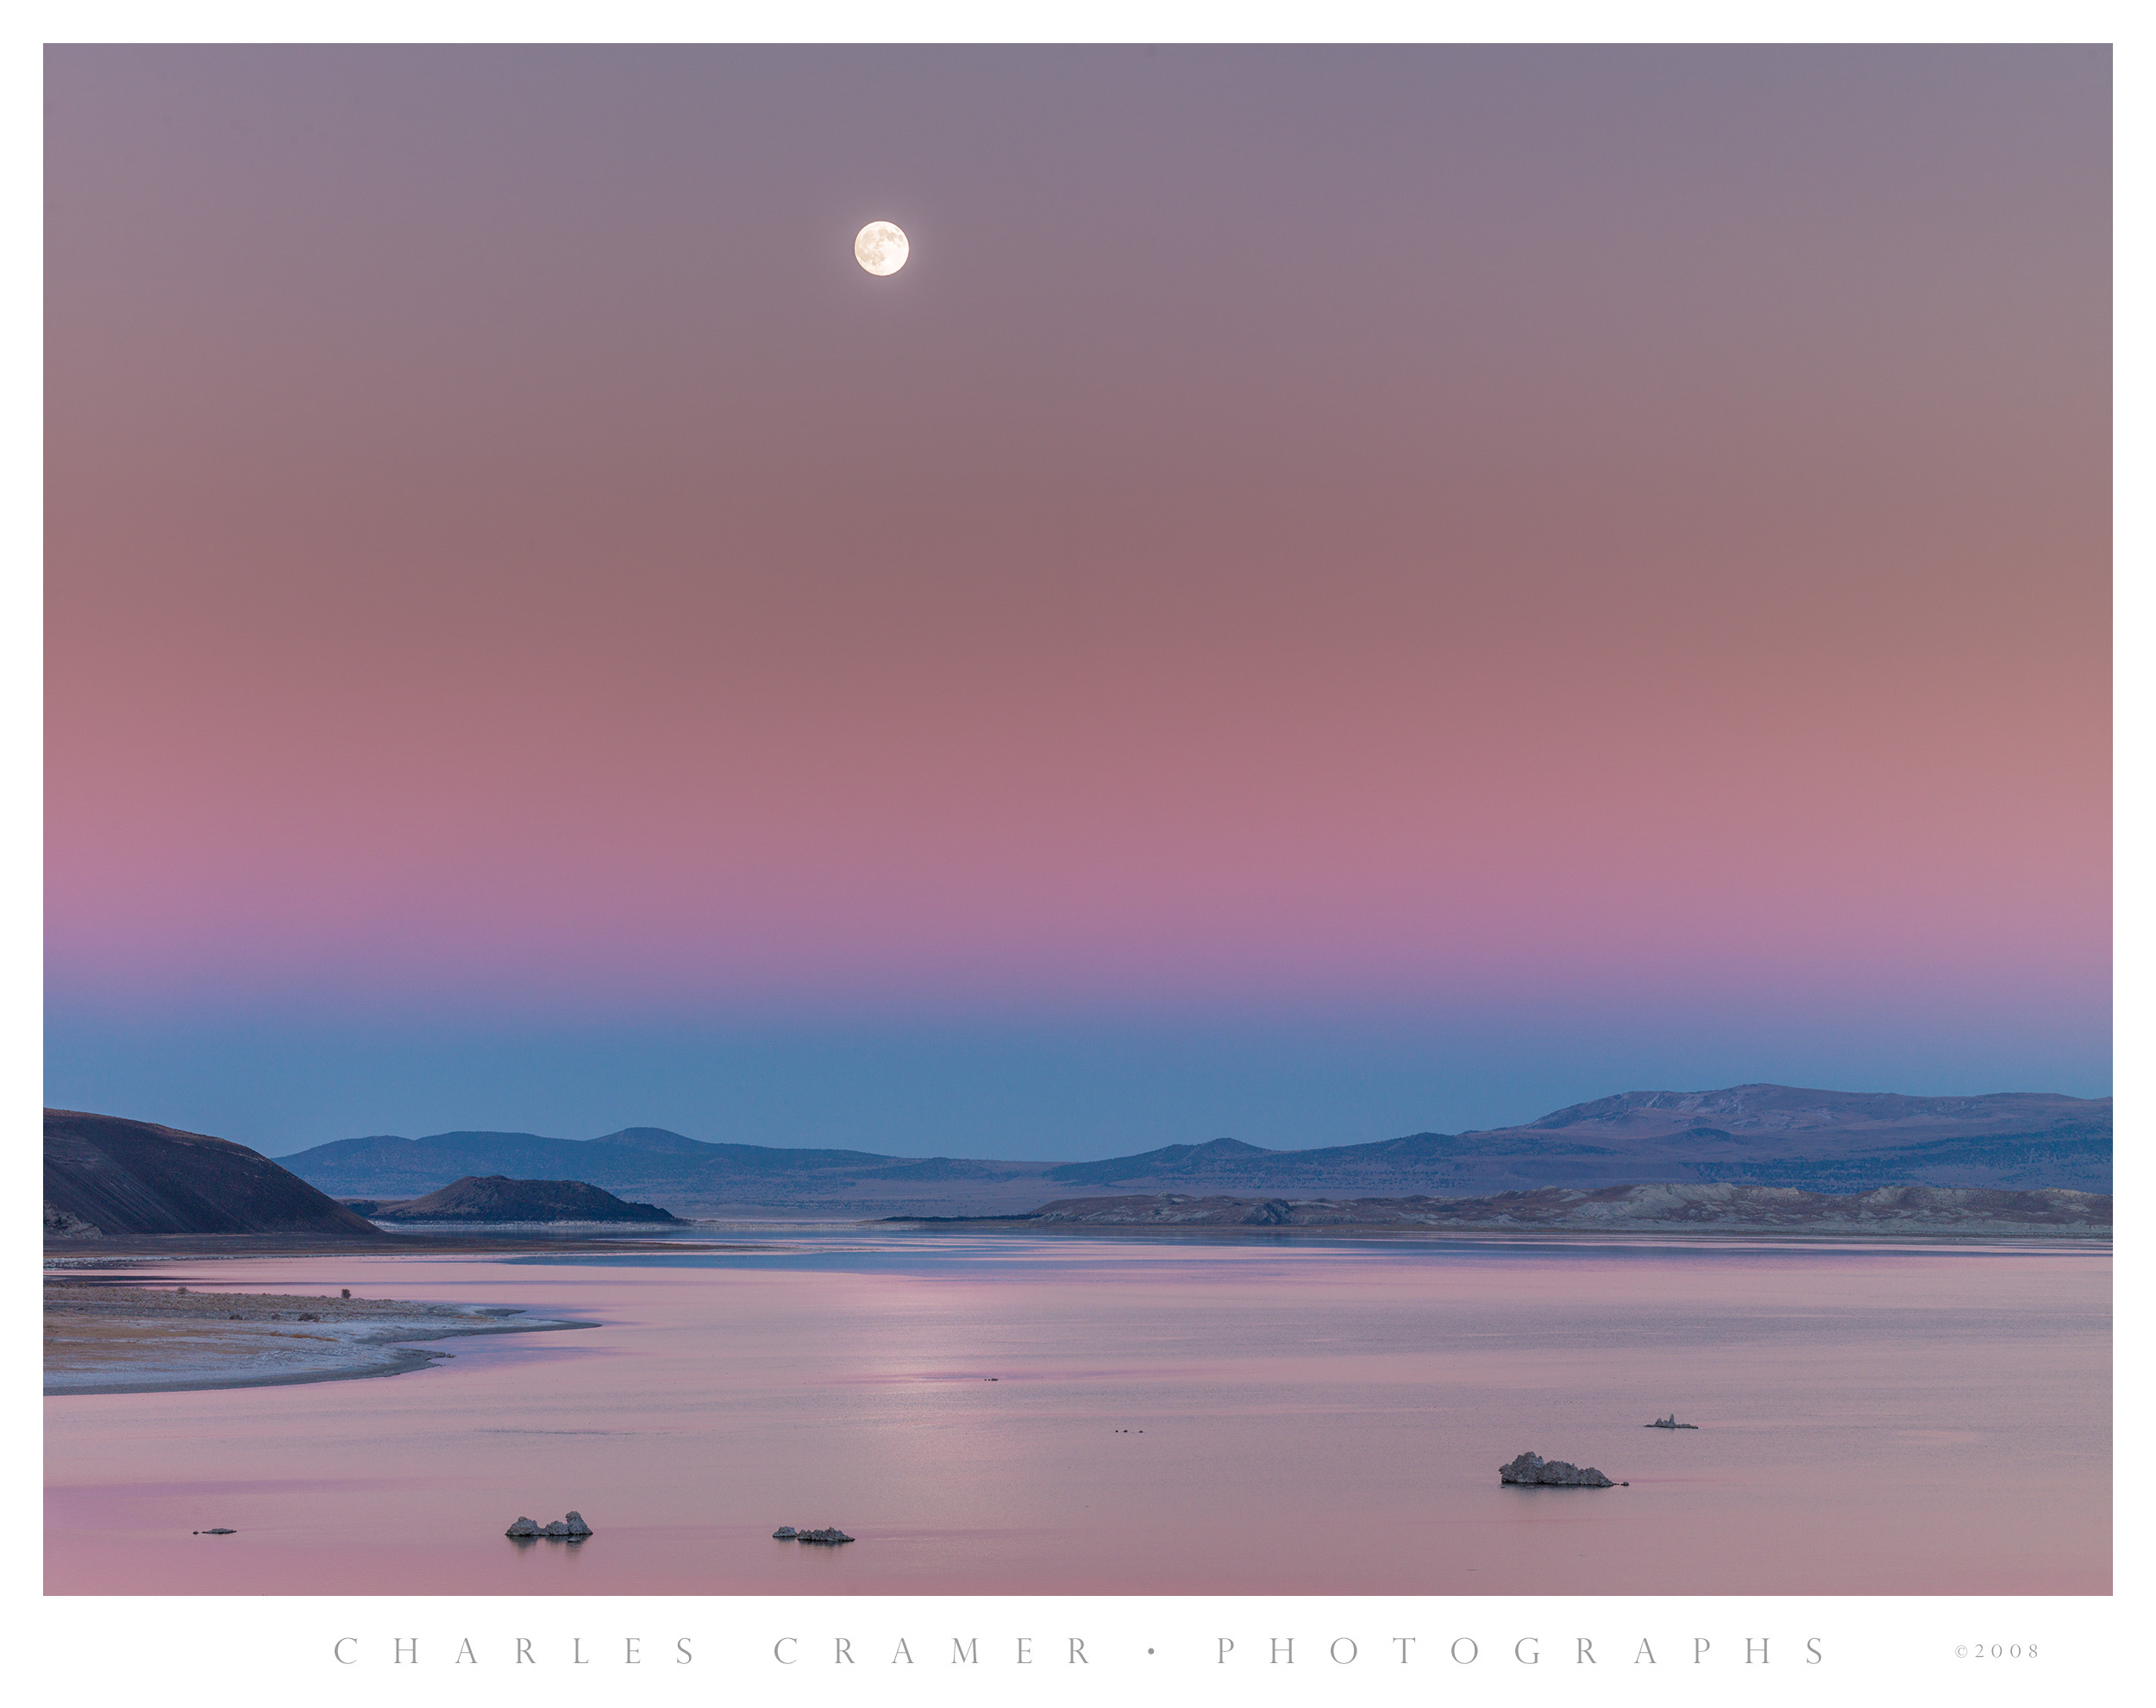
(1768, 1135)
(496, 1197)
(106, 1175)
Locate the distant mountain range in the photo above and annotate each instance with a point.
(1765, 1136)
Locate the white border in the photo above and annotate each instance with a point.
(1696, 1649)
(246, 1651)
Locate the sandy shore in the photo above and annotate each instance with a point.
(113, 1337)
(104, 1251)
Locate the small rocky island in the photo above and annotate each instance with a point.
(571, 1527)
(496, 1197)
(828, 1537)
(1533, 1469)
(1668, 1423)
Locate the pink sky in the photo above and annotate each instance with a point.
(1378, 531)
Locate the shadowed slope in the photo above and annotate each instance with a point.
(116, 1177)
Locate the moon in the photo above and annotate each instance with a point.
(882, 248)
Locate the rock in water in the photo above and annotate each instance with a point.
(571, 1528)
(1532, 1467)
(785, 1533)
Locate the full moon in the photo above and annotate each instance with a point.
(882, 248)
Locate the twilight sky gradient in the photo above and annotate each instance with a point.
(1339, 593)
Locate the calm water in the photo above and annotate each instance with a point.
(1168, 1418)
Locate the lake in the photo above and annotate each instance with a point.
(1004, 1414)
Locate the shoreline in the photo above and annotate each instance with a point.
(2007, 1233)
(745, 1237)
(117, 1337)
(115, 1251)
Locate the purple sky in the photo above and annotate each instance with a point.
(1340, 591)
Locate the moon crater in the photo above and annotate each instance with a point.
(882, 248)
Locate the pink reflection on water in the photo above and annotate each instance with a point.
(1167, 1418)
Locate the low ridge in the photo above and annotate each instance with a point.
(1658, 1208)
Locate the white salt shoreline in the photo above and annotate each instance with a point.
(119, 1340)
